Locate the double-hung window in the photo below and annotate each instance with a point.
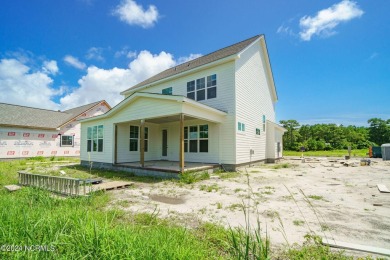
(66, 140)
(202, 88)
(134, 137)
(212, 86)
(95, 138)
(196, 139)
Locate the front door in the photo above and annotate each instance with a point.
(164, 143)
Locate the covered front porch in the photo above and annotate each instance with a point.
(182, 136)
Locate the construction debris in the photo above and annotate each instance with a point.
(350, 246)
(11, 188)
(382, 188)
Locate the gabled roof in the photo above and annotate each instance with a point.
(192, 64)
(178, 99)
(30, 117)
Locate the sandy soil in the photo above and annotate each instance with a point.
(320, 195)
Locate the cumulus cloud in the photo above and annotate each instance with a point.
(106, 84)
(132, 13)
(95, 53)
(20, 85)
(192, 56)
(50, 67)
(324, 22)
(74, 62)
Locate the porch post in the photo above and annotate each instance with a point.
(116, 144)
(142, 143)
(181, 150)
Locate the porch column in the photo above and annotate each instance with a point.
(142, 143)
(116, 144)
(181, 150)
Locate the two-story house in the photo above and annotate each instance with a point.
(217, 109)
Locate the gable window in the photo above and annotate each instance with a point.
(241, 127)
(94, 138)
(212, 86)
(66, 140)
(167, 91)
(196, 139)
(257, 131)
(203, 88)
(134, 138)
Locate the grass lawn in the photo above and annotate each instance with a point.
(37, 225)
(333, 153)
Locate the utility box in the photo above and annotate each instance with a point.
(375, 152)
(386, 152)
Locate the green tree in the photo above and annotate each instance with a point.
(379, 130)
(291, 137)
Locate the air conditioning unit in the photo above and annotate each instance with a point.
(386, 152)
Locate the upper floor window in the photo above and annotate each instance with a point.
(167, 91)
(95, 138)
(263, 123)
(257, 131)
(203, 88)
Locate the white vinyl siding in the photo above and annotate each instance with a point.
(253, 100)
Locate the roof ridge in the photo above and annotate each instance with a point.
(237, 43)
(195, 63)
(84, 105)
(58, 111)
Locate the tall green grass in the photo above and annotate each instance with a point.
(82, 228)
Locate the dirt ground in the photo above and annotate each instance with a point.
(321, 195)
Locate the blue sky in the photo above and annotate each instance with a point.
(330, 59)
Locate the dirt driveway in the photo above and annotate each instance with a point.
(320, 195)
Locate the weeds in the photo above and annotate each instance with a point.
(209, 188)
(192, 177)
(315, 197)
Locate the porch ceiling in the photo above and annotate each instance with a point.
(168, 119)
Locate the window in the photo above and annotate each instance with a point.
(134, 134)
(193, 139)
(257, 131)
(94, 139)
(241, 127)
(167, 91)
(263, 123)
(212, 86)
(134, 137)
(191, 89)
(203, 88)
(196, 139)
(66, 140)
(200, 89)
(203, 138)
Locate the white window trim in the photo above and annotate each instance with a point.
(66, 145)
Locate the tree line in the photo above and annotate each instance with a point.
(320, 137)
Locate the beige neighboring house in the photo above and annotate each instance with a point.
(29, 132)
(217, 109)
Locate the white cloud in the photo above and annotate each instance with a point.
(74, 62)
(50, 67)
(106, 84)
(20, 85)
(192, 56)
(324, 22)
(95, 53)
(130, 12)
(125, 52)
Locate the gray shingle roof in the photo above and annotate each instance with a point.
(21, 116)
(211, 57)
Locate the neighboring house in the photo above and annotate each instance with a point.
(29, 132)
(219, 108)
